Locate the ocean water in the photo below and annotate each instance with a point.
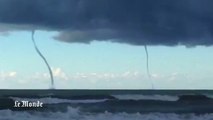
(75, 114)
(111, 105)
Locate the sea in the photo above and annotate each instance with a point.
(108, 105)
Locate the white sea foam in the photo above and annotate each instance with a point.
(147, 97)
(49, 100)
(75, 114)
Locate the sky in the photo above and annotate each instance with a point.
(101, 65)
(99, 44)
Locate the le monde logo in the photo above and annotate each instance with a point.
(25, 103)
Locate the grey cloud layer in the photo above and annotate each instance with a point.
(137, 22)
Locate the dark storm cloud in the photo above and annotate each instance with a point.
(137, 22)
